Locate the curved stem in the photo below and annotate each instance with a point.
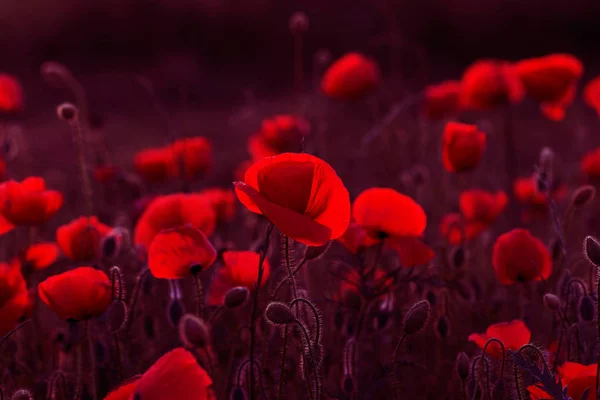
(282, 282)
(315, 314)
(136, 290)
(310, 356)
(487, 370)
(498, 341)
(199, 295)
(5, 337)
(395, 367)
(117, 283)
(517, 378)
(118, 355)
(78, 140)
(215, 314)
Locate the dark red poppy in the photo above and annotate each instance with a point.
(14, 309)
(279, 134)
(240, 268)
(462, 146)
(351, 77)
(195, 154)
(590, 164)
(11, 94)
(411, 251)
(354, 238)
(42, 255)
(455, 229)
(518, 256)
(123, 392)
(222, 201)
(513, 335)
(441, 100)
(80, 239)
(481, 206)
(552, 81)
(301, 195)
(352, 282)
(527, 193)
(78, 294)
(171, 211)
(176, 253)
(176, 375)
(105, 173)
(156, 165)
(591, 94)
(577, 378)
(11, 280)
(28, 202)
(490, 83)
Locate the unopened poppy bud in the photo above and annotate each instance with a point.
(591, 250)
(22, 394)
(587, 307)
(175, 311)
(236, 296)
(551, 301)
(238, 394)
(54, 73)
(149, 327)
(67, 111)
(583, 195)
(193, 332)
(442, 327)
(462, 365)
(279, 314)
(116, 316)
(431, 297)
(299, 22)
(458, 257)
(417, 317)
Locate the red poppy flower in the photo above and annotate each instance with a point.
(195, 154)
(456, 229)
(301, 195)
(411, 251)
(11, 94)
(175, 252)
(280, 134)
(78, 294)
(354, 238)
(123, 392)
(590, 164)
(462, 146)
(526, 192)
(240, 268)
(105, 173)
(577, 378)
(513, 335)
(42, 255)
(171, 211)
(591, 94)
(80, 239)
(28, 202)
(481, 206)
(490, 83)
(519, 257)
(156, 165)
(14, 309)
(240, 171)
(176, 375)
(551, 80)
(11, 281)
(441, 100)
(351, 77)
(537, 393)
(222, 201)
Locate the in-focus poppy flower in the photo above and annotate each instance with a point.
(552, 81)
(351, 77)
(240, 268)
(105, 173)
(300, 194)
(176, 375)
(178, 252)
(462, 146)
(222, 201)
(354, 238)
(42, 255)
(481, 206)
(490, 83)
(156, 165)
(577, 378)
(171, 211)
(80, 239)
(78, 294)
(194, 154)
(513, 335)
(124, 391)
(441, 100)
(455, 229)
(518, 256)
(590, 164)
(11, 94)
(591, 94)
(28, 202)
(279, 134)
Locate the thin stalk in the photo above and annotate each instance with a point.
(598, 337)
(282, 367)
(78, 140)
(199, 295)
(92, 360)
(118, 355)
(395, 366)
(282, 282)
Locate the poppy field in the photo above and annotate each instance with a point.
(360, 238)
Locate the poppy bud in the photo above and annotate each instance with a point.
(315, 252)
(67, 111)
(442, 327)
(116, 316)
(193, 332)
(556, 249)
(587, 307)
(22, 394)
(54, 73)
(238, 394)
(431, 297)
(279, 314)
(462, 365)
(591, 250)
(236, 296)
(583, 195)
(299, 22)
(551, 301)
(348, 384)
(175, 311)
(458, 257)
(417, 317)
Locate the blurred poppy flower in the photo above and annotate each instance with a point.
(482, 207)
(14, 309)
(105, 173)
(171, 211)
(28, 202)
(354, 238)
(42, 255)
(240, 268)
(222, 201)
(441, 100)
(352, 281)
(410, 250)
(513, 335)
(351, 77)
(591, 94)
(78, 294)
(124, 391)
(301, 195)
(80, 239)
(156, 165)
(11, 94)
(527, 193)
(455, 229)
(552, 81)
(518, 256)
(490, 83)
(462, 146)
(176, 375)
(11, 280)
(195, 154)
(577, 378)
(178, 252)
(279, 134)
(590, 164)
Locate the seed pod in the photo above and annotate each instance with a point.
(458, 257)
(587, 308)
(238, 394)
(417, 317)
(431, 297)
(193, 332)
(551, 301)
(116, 316)
(583, 195)
(236, 297)
(175, 311)
(462, 365)
(22, 394)
(299, 22)
(591, 250)
(279, 314)
(67, 111)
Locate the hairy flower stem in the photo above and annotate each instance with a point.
(598, 336)
(282, 371)
(395, 366)
(5, 337)
(136, 290)
(79, 367)
(294, 272)
(263, 255)
(199, 295)
(118, 355)
(77, 135)
(92, 359)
